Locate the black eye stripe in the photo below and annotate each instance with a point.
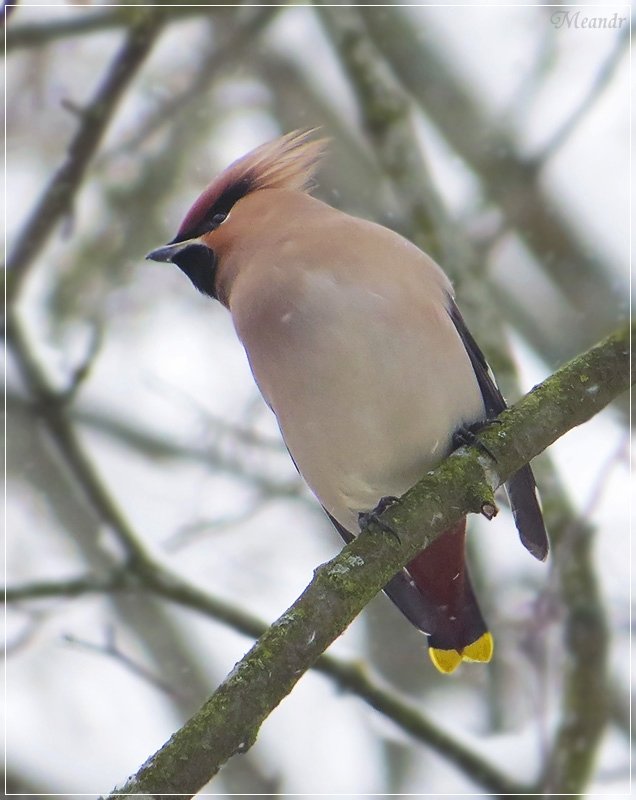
(213, 224)
(230, 196)
(221, 207)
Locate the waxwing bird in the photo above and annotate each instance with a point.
(328, 305)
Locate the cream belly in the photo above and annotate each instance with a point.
(366, 399)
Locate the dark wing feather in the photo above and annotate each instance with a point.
(403, 592)
(521, 487)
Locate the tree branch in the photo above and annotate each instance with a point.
(91, 20)
(229, 721)
(598, 85)
(351, 677)
(209, 453)
(51, 406)
(95, 117)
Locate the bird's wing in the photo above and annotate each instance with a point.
(521, 487)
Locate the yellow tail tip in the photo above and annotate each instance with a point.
(447, 661)
(481, 650)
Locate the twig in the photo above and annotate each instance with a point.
(58, 197)
(208, 453)
(241, 433)
(81, 370)
(51, 406)
(91, 20)
(20, 641)
(595, 90)
(229, 721)
(187, 534)
(73, 587)
(242, 34)
(619, 454)
(111, 649)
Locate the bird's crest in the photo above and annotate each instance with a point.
(288, 162)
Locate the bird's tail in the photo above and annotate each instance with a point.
(436, 595)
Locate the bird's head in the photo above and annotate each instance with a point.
(210, 225)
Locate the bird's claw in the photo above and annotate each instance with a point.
(466, 435)
(367, 519)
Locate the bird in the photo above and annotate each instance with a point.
(357, 345)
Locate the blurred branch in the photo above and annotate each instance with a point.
(620, 703)
(242, 33)
(595, 90)
(581, 721)
(32, 460)
(542, 64)
(25, 784)
(158, 447)
(111, 648)
(51, 406)
(57, 198)
(201, 528)
(583, 708)
(72, 587)
(91, 20)
(229, 721)
(35, 618)
(583, 677)
(100, 262)
(488, 148)
(182, 399)
(386, 113)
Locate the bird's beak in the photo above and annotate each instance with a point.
(167, 253)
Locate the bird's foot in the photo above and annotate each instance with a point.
(369, 518)
(466, 436)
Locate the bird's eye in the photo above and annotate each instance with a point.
(216, 220)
